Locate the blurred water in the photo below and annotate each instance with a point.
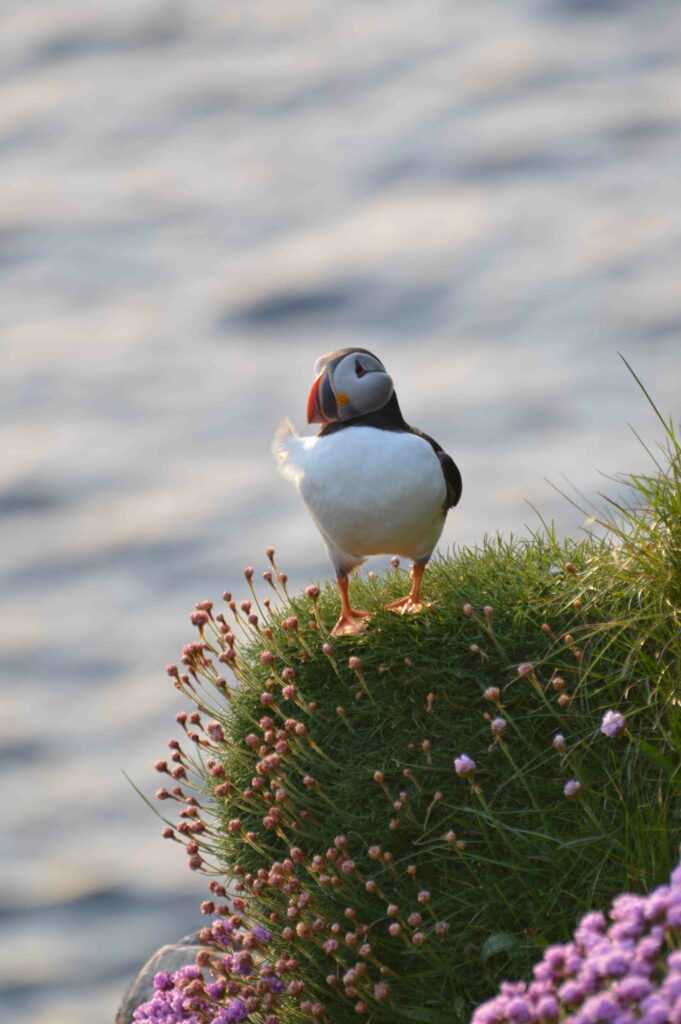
(198, 199)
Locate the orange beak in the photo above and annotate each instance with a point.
(314, 406)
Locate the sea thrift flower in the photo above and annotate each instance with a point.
(623, 974)
(215, 731)
(183, 997)
(613, 724)
(525, 668)
(572, 789)
(464, 766)
(558, 742)
(498, 726)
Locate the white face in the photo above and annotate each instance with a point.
(360, 384)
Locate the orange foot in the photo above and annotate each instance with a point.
(350, 623)
(412, 602)
(408, 605)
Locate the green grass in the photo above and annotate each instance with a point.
(603, 615)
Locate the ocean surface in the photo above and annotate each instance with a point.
(200, 198)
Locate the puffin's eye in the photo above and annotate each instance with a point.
(359, 369)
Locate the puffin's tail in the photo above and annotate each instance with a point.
(287, 448)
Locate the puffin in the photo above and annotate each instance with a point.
(372, 483)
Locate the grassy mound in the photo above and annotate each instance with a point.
(325, 784)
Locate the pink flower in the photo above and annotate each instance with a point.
(464, 765)
(613, 724)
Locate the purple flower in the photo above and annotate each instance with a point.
(187, 997)
(464, 765)
(215, 731)
(235, 1012)
(655, 1011)
(548, 1008)
(572, 789)
(518, 1010)
(600, 1008)
(590, 930)
(613, 724)
(608, 975)
(632, 989)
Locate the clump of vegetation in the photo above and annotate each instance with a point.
(627, 971)
(414, 814)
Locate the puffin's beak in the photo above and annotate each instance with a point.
(314, 403)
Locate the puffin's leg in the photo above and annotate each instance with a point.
(350, 621)
(412, 602)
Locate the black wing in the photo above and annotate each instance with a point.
(452, 477)
(450, 470)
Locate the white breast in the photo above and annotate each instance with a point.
(370, 491)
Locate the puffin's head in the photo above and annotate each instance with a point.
(349, 382)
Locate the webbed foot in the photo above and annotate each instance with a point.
(408, 605)
(349, 625)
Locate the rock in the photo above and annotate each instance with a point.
(167, 958)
